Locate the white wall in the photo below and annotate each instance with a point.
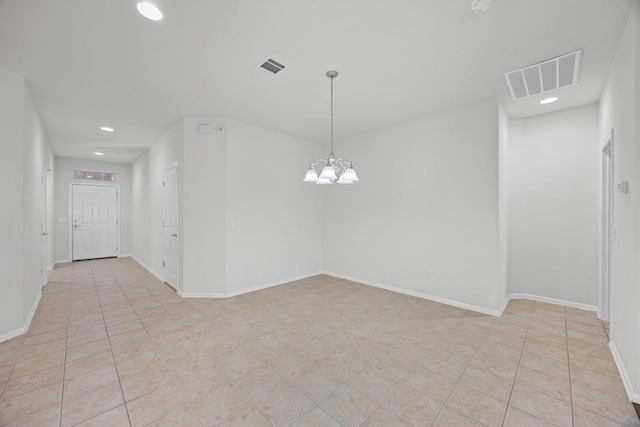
(147, 174)
(63, 175)
(237, 208)
(553, 203)
(36, 159)
(204, 201)
(503, 204)
(274, 220)
(25, 154)
(425, 212)
(12, 98)
(620, 111)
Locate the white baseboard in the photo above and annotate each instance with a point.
(12, 334)
(143, 265)
(628, 386)
(27, 322)
(34, 307)
(555, 301)
(453, 303)
(247, 290)
(504, 305)
(60, 261)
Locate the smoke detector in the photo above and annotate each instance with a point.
(481, 6)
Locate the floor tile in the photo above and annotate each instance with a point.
(555, 386)
(375, 383)
(219, 405)
(47, 417)
(316, 383)
(449, 417)
(284, 405)
(541, 405)
(154, 405)
(619, 410)
(481, 407)
(30, 403)
(316, 418)
(181, 416)
(301, 350)
(116, 417)
(415, 407)
(31, 382)
(91, 404)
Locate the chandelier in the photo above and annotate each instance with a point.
(338, 170)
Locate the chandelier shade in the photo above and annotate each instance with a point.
(333, 170)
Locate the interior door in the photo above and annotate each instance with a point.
(44, 227)
(94, 221)
(171, 227)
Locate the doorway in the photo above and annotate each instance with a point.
(607, 226)
(170, 263)
(94, 214)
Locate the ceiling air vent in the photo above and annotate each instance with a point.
(270, 66)
(545, 76)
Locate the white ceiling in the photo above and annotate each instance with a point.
(99, 63)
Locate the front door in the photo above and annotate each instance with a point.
(171, 227)
(94, 221)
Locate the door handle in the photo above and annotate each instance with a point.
(44, 233)
(174, 235)
(76, 226)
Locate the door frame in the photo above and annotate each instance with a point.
(45, 224)
(70, 213)
(606, 225)
(164, 248)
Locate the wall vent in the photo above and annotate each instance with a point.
(270, 66)
(545, 76)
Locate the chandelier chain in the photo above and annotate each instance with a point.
(332, 114)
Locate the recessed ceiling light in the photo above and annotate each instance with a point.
(149, 11)
(548, 100)
(107, 129)
(98, 152)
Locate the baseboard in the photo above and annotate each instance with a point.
(555, 301)
(504, 305)
(143, 265)
(626, 381)
(453, 303)
(27, 323)
(247, 290)
(60, 261)
(12, 334)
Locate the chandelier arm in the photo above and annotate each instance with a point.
(318, 162)
(343, 163)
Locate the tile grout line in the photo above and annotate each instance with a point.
(64, 366)
(495, 319)
(515, 376)
(171, 373)
(566, 330)
(124, 403)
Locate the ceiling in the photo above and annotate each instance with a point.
(97, 63)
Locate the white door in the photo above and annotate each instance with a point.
(94, 221)
(607, 227)
(171, 227)
(44, 227)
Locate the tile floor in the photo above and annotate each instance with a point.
(112, 346)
